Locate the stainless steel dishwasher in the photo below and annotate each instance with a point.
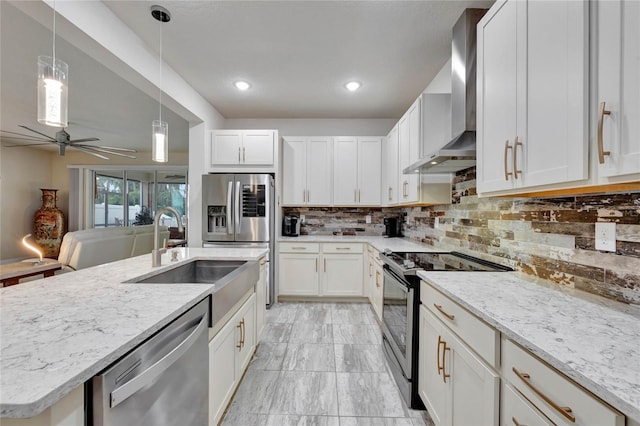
(164, 381)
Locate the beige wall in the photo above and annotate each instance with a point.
(25, 170)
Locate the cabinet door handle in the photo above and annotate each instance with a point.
(308, 196)
(442, 311)
(515, 158)
(316, 264)
(359, 199)
(239, 345)
(244, 157)
(601, 113)
(444, 354)
(325, 265)
(238, 155)
(355, 195)
(565, 411)
(507, 147)
(377, 281)
(389, 193)
(370, 270)
(515, 422)
(440, 341)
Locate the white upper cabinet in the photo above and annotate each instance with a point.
(357, 163)
(408, 145)
(307, 170)
(390, 165)
(242, 147)
(618, 92)
(532, 95)
(369, 170)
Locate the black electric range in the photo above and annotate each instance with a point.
(400, 310)
(409, 263)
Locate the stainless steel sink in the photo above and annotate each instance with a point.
(198, 271)
(232, 280)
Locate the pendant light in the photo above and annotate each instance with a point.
(159, 128)
(53, 79)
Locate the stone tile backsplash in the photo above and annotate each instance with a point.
(551, 238)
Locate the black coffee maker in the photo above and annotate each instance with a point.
(290, 226)
(392, 227)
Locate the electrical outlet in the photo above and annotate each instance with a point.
(301, 218)
(367, 218)
(606, 236)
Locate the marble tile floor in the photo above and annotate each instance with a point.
(320, 364)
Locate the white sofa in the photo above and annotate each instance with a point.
(91, 247)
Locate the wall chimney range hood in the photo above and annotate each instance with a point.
(460, 152)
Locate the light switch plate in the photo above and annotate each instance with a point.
(606, 236)
(367, 218)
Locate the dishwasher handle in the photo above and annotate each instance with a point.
(145, 378)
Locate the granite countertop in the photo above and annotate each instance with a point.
(379, 242)
(60, 331)
(592, 340)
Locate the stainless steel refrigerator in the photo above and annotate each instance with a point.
(238, 210)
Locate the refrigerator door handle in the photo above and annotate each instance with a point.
(237, 222)
(229, 195)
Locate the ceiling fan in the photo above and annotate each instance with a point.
(64, 141)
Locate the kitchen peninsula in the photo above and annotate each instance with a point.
(59, 332)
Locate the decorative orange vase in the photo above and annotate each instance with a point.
(48, 224)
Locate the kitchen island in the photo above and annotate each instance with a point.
(59, 332)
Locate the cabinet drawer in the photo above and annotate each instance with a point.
(561, 400)
(299, 248)
(516, 410)
(480, 336)
(342, 248)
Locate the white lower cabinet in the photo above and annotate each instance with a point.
(457, 387)
(328, 269)
(69, 411)
(516, 410)
(559, 399)
(229, 354)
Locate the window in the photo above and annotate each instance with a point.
(143, 192)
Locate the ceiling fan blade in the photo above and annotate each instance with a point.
(35, 131)
(24, 136)
(84, 140)
(112, 148)
(27, 144)
(88, 151)
(100, 149)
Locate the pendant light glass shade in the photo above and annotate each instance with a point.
(53, 83)
(160, 147)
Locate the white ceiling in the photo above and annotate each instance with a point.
(296, 54)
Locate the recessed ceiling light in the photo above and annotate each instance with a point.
(434, 162)
(352, 86)
(242, 85)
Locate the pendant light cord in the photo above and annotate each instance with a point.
(160, 70)
(54, 34)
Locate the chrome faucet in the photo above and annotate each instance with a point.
(156, 253)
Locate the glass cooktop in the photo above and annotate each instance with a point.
(449, 261)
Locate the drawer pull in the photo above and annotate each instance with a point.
(343, 248)
(449, 316)
(298, 248)
(565, 411)
(515, 422)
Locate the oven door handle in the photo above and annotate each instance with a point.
(395, 279)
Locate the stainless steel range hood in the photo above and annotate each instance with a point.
(460, 152)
